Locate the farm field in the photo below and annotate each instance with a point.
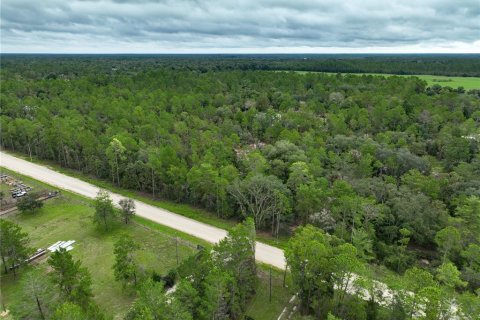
(467, 83)
(69, 217)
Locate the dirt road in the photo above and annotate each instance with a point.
(264, 253)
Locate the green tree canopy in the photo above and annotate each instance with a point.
(104, 210)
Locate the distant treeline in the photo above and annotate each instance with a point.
(467, 65)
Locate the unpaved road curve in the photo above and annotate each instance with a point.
(264, 253)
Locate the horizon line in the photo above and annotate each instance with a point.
(243, 53)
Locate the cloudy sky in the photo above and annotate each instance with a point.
(243, 26)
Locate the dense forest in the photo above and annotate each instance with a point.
(387, 165)
(464, 65)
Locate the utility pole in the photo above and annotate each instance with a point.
(270, 297)
(176, 248)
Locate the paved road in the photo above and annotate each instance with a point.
(264, 253)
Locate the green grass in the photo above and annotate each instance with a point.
(260, 306)
(178, 208)
(5, 189)
(66, 219)
(467, 83)
(69, 217)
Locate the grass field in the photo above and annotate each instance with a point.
(69, 217)
(466, 82)
(454, 82)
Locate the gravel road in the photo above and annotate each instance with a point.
(264, 253)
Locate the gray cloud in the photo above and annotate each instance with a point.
(240, 25)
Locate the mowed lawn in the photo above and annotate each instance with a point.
(69, 217)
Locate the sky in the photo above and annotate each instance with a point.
(240, 26)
